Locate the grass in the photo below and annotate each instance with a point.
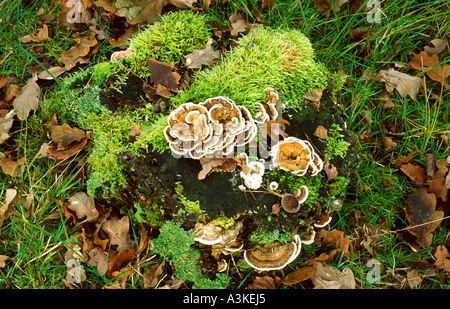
(36, 237)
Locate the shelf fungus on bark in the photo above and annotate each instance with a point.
(274, 255)
(296, 156)
(211, 128)
(253, 176)
(322, 220)
(223, 241)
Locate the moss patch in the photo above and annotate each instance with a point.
(279, 58)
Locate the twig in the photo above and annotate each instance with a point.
(251, 42)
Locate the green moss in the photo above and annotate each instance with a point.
(279, 58)
(261, 236)
(338, 185)
(188, 206)
(175, 243)
(289, 182)
(154, 135)
(150, 215)
(168, 40)
(336, 145)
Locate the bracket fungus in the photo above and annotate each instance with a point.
(216, 236)
(296, 156)
(274, 256)
(210, 128)
(253, 176)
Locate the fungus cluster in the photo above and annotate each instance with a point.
(223, 241)
(296, 156)
(211, 128)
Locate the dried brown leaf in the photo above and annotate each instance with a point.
(422, 216)
(28, 99)
(161, 73)
(238, 24)
(84, 206)
(299, 275)
(442, 258)
(152, 273)
(404, 83)
(423, 61)
(262, 282)
(206, 56)
(118, 231)
(438, 46)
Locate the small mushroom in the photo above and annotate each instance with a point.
(254, 176)
(310, 238)
(120, 55)
(323, 220)
(274, 255)
(222, 265)
(290, 203)
(301, 194)
(273, 185)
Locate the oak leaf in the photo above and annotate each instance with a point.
(206, 56)
(3, 259)
(422, 216)
(118, 231)
(6, 122)
(161, 73)
(12, 167)
(135, 11)
(37, 36)
(81, 52)
(152, 273)
(321, 132)
(404, 83)
(299, 275)
(83, 205)
(415, 172)
(335, 239)
(116, 261)
(438, 46)
(28, 99)
(238, 24)
(424, 62)
(442, 258)
(329, 277)
(262, 282)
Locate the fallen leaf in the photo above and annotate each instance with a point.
(321, 132)
(161, 73)
(335, 239)
(37, 37)
(64, 135)
(118, 231)
(438, 188)
(6, 122)
(28, 99)
(329, 277)
(84, 206)
(99, 260)
(183, 4)
(206, 56)
(415, 172)
(12, 167)
(442, 258)
(3, 259)
(321, 258)
(262, 282)
(314, 96)
(152, 273)
(438, 46)
(51, 73)
(413, 278)
(116, 261)
(422, 216)
(424, 62)
(73, 13)
(7, 208)
(299, 275)
(67, 141)
(238, 24)
(267, 4)
(80, 53)
(135, 11)
(330, 170)
(404, 83)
